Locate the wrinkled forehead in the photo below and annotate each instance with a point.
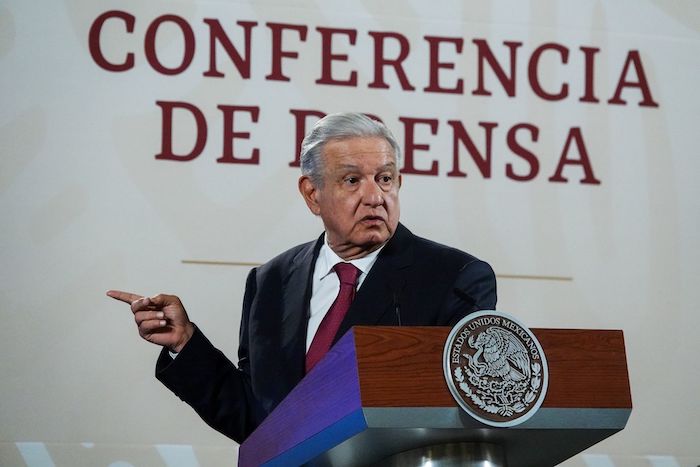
(358, 149)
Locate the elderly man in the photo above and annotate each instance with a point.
(366, 268)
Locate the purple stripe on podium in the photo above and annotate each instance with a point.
(328, 398)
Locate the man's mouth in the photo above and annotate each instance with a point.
(373, 220)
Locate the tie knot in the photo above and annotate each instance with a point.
(347, 273)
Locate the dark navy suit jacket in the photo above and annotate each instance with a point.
(415, 281)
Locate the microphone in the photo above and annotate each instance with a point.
(396, 286)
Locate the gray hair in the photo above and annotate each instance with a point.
(339, 126)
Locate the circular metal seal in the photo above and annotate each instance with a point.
(495, 368)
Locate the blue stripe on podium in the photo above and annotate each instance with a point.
(345, 428)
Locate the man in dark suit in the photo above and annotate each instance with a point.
(299, 303)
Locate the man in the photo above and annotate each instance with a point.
(299, 303)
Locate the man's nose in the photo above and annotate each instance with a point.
(372, 194)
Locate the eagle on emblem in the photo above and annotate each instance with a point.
(504, 356)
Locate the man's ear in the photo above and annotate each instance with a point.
(310, 194)
(400, 180)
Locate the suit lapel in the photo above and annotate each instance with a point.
(296, 294)
(376, 296)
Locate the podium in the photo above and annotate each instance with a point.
(380, 391)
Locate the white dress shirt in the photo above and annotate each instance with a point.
(325, 284)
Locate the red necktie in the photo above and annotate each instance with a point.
(347, 274)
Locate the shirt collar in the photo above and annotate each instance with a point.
(327, 258)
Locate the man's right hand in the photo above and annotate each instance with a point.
(161, 319)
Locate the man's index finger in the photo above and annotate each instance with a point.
(125, 297)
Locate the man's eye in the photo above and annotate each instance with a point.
(386, 178)
(351, 180)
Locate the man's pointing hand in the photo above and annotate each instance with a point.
(161, 319)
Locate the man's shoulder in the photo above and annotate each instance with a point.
(440, 248)
(466, 276)
(430, 251)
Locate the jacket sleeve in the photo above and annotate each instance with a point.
(474, 289)
(203, 377)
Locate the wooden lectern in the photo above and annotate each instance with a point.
(381, 391)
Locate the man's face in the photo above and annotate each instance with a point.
(359, 199)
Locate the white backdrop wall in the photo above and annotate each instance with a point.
(607, 240)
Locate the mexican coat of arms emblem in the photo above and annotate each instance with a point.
(495, 368)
